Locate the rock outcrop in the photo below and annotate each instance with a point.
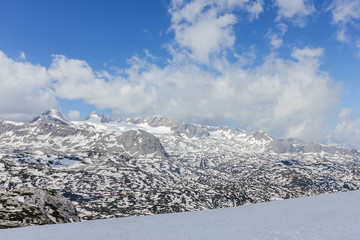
(34, 206)
(139, 142)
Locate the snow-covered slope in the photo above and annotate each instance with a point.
(327, 217)
(51, 116)
(110, 167)
(51, 134)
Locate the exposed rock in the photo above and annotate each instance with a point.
(312, 147)
(105, 118)
(34, 206)
(157, 121)
(139, 142)
(51, 116)
(192, 130)
(50, 136)
(93, 114)
(261, 136)
(281, 146)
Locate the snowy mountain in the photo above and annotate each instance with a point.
(52, 134)
(108, 167)
(325, 217)
(51, 116)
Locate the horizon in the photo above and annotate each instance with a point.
(288, 68)
(120, 120)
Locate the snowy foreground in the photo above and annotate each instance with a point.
(331, 216)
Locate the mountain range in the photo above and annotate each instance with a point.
(108, 167)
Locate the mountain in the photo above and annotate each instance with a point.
(176, 127)
(139, 143)
(51, 116)
(325, 217)
(51, 133)
(108, 167)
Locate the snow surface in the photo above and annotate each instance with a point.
(123, 126)
(331, 216)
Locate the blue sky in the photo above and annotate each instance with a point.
(287, 67)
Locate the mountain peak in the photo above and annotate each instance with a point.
(93, 114)
(106, 118)
(157, 120)
(51, 116)
(261, 136)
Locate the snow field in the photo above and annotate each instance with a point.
(331, 216)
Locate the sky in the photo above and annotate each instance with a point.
(291, 68)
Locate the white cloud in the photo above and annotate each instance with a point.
(276, 40)
(345, 113)
(342, 36)
(347, 130)
(286, 98)
(357, 45)
(345, 14)
(74, 115)
(22, 56)
(255, 9)
(307, 53)
(203, 28)
(75, 79)
(282, 27)
(295, 10)
(345, 11)
(210, 34)
(25, 89)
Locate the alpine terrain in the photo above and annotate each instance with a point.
(106, 167)
(325, 217)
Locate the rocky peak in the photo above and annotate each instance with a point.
(93, 115)
(281, 146)
(261, 136)
(157, 121)
(51, 116)
(106, 118)
(138, 143)
(192, 130)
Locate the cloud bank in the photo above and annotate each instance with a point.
(286, 97)
(25, 89)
